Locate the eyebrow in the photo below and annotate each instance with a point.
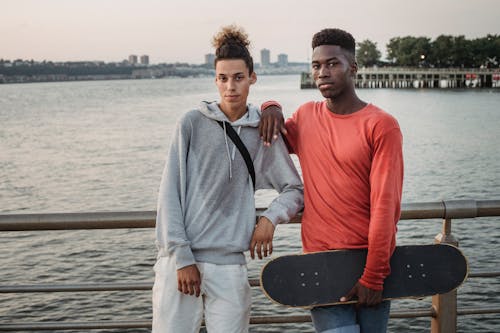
(225, 74)
(326, 60)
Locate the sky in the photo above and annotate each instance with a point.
(181, 30)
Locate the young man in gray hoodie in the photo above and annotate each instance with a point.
(206, 208)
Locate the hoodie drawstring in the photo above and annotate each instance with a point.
(229, 155)
(227, 151)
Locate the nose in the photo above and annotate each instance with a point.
(323, 71)
(231, 84)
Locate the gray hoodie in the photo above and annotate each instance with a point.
(206, 208)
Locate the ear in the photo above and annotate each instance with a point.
(354, 68)
(253, 78)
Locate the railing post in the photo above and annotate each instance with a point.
(444, 306)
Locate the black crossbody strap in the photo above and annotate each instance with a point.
(241, 147)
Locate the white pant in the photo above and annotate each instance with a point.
(225, 299)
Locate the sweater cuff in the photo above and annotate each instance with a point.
(269, 103)
(371, 284)
(184, 257)
(274, 217)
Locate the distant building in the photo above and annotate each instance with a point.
(265, 58)
(144, 60)
(132, 59)
(282, 60)
(209, 59)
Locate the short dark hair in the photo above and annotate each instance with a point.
(335, 37)
(232, 43)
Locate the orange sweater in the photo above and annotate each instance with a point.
(352, 167)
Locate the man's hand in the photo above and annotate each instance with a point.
(189, 280)
(271, 124)
(262, 238)
(366, 296)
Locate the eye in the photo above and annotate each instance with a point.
(315, 66)
(239, 77)
(222, 78)
(332, 64)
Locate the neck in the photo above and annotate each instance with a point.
(233, 113)
(346, 105)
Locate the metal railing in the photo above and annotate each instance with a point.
(443, 312)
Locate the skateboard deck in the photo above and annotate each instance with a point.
(322, 278)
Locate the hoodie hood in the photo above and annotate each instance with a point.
(250, 119)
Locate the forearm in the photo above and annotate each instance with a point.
(279, 173)
(171, 232)
(284, 207)
(381, 244)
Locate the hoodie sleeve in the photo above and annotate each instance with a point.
(275, 170)
(170, 227)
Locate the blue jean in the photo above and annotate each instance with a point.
(347, 319)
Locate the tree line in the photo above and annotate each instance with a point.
(443, 52)
(71, 69)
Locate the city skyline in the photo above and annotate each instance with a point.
(181, 31)
(263, 58)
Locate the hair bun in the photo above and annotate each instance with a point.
(231, 34)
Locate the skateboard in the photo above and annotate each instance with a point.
(322, 278)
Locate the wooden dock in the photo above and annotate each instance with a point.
(416, 78)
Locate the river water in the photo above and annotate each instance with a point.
(100, 146)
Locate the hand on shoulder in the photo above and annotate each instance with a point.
(271, 123)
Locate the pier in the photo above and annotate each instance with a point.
(416, 78)
(442, 313)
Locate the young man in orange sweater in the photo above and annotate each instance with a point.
(351, 158)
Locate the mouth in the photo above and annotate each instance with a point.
(325, 85)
